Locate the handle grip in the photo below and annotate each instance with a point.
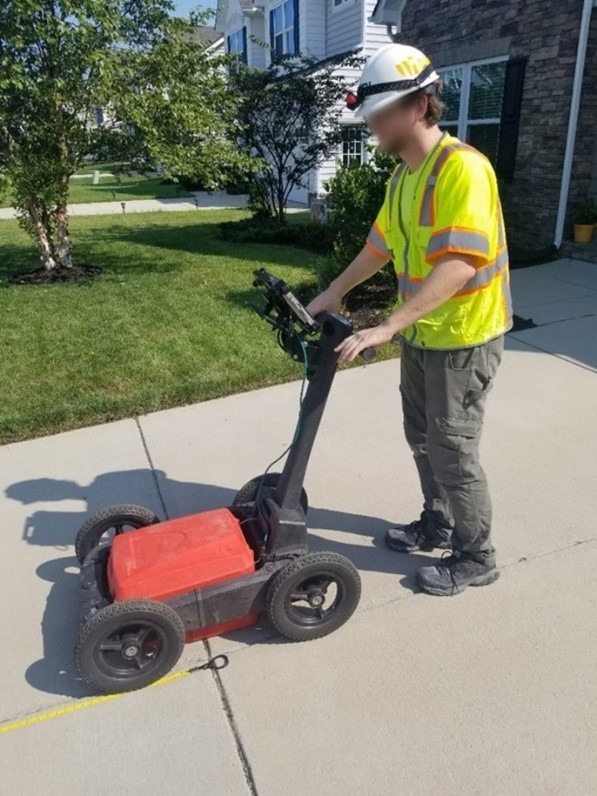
(368, 354)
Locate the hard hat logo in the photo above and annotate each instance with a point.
(411, 67)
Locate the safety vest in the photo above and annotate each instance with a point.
(456, 210)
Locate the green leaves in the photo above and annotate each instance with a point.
(290, 117)
(162, 100)
(356, 193)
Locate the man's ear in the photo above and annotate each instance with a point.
(422, 104)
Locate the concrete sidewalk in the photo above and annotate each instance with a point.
(198, 200)
(494, 691)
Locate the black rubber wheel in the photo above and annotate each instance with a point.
(313, 596)
(246, 494)
(129, 644)
(109, 522)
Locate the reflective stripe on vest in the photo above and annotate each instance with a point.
(484, 276)
(377, 242)
(375, 239)
(441, 241)
(427, 214)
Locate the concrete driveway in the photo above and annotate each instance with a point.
(493, 691)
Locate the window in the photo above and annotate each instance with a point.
(473, 95)
(354, 144)
(283, 29)
(237, 45)
(340, 3)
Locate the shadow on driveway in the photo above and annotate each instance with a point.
(55, 672)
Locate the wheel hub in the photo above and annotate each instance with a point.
(131, 651)
(316, 599)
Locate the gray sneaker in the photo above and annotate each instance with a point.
(414, 537)
(454, 573)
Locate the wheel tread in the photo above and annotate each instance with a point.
(128, 511)
(291, 569)
(122, 608)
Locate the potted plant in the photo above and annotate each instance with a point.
(584, 222)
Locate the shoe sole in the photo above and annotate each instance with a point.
(482, 580)
(418, 548)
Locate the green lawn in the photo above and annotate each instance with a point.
(110, 189)
(167, 323)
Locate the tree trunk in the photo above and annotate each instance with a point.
(43, 240)
(280, 202)
(63, 244)
(63, 251)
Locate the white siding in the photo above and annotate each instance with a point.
(325, 172)
(312, 22)
(301, 195)
(344, 27)
(233, 19)
(258, 52)
(375, 35)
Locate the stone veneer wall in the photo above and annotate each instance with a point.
(546, 32)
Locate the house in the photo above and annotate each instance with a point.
(258, 31)
(212, 41)
(520, 83)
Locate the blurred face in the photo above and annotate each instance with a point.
(394, 126)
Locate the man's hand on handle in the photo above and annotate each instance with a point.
(354, 345)
(365, 264)
(328, 301)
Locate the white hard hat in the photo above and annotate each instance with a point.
(394, 71)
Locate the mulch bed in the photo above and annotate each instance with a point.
(365, 306)
(78, 273)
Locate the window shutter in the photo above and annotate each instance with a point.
(271, 36)
(245, 55)
(296, 27)
(228, 43)
(510, 117)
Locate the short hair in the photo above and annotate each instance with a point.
(435, 106)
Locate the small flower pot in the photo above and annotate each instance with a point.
(583, 233)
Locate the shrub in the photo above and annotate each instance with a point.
(316, 238)
(356, 193)
(586, 213)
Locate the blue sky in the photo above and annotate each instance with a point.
(184, 6)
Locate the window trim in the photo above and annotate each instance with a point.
(365, 137)
(463, 122)
(343, 4)
(293, 30)
(242, 55)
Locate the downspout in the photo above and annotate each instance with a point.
(573, 120)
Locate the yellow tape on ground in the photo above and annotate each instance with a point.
(86, 703)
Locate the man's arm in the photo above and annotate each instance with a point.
(365, 264)
(449, 275)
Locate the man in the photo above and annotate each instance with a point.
(441, 224)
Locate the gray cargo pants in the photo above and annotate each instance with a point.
(443, 399)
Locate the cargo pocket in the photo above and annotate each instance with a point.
(453, 450)
(458, 427)
(476, 362)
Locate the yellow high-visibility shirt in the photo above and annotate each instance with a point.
(455, 210)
